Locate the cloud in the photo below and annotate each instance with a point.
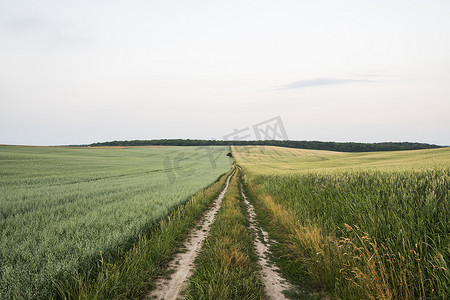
(368, 75)
(319, 81)
(43, 31)
(24, 25)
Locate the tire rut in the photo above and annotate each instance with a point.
(183, 263)
(274, 284)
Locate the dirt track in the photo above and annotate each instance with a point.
(182, 264)
(274, 284)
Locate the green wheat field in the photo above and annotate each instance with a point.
(60, 208)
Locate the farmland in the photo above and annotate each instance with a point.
(277, 160)
(357, 225)
(224, 269)
(110, 222)
(61, 209)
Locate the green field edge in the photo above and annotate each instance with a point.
(303, 287)
(227, 267)
(132, 274)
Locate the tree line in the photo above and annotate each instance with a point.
(313, 145)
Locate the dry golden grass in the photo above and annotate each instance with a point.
(399, 198)
(278, 160)
(359, 262)
(234, 257)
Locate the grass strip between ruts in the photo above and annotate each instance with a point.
(133, 275)
(226, 268)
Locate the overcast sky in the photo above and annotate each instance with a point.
(74, 72)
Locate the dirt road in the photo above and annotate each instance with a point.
(182, 264)
(274, 284)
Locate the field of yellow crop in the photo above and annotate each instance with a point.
(358, 225)
(279, 160)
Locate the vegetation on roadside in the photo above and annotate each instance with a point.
(226, 267)
(304, 288)
(359, 234)
(316, 145)
(61, 208)
(133, 275)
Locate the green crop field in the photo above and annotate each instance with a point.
(74, 221)
(61, 208)
(358, 225)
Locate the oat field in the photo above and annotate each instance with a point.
(64, 209)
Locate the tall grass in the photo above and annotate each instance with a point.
(59, 208)
(132, 275)
(226, 266)
(365, 234)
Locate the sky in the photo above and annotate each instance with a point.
(78, 72)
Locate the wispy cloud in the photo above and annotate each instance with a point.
(369, 75)
(49, 32)
(24, 25)
(319, 81)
